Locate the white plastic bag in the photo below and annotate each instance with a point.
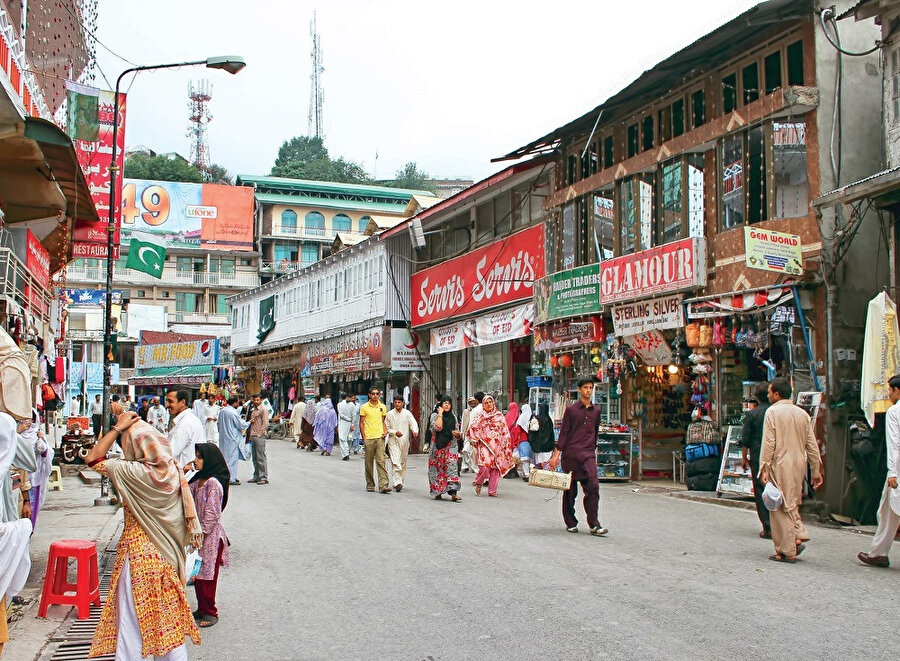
(192, 565)
(772, 497)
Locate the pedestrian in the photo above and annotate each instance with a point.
(209, 487)
(541, 437)
(523, 448)
(187, 430)
(355, 429)
(371, 419)
(788, 446)
(577, 444)
(231, 437)
(259, 424)
(44, 458)
(346, 411)
(199, 408)
(296, 419)
(96, 415)
(211, 426)
(751, 444)
(401, 427)
(147, 612)
(889, 511)
(443, 475)
(144, 408)
(324, 426)
(15, 484)
(158, 416)
(75, 406)
(307, 440)
(490, 438)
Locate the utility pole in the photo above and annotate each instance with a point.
(315, 124)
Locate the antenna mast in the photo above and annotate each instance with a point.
(200, 95)
(315, 126)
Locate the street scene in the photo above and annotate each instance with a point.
(318, 341)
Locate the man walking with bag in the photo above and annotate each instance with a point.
(578, 444)
(889, 511)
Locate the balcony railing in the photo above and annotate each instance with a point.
(199, 318)
(95, 275)
(16, 280)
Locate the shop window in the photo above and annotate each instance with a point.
(671, 207)
(791, 183)
(633, 140)
(729, 93)
(608, 152)
(733, 182)
(772, 71)
(289, 221)
(568, 237)
(750, 82)
(647, 133)
(795, 63)
(636, 215)
(341, 223)
(664, 124)
(604, 226)
(314, 223)
(503, 214)
(677, 118)
(755, 178)
(698, 109)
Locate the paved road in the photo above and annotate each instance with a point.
(321, 569)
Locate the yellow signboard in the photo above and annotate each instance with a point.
(769, 250)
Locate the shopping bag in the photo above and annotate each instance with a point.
(192, 565)
(550, 479)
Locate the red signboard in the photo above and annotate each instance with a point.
(671, 267)
(499, 273)
(37, 263)
(359, 351)
(95, 158)
(569, 333)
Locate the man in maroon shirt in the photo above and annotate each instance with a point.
(578, 444)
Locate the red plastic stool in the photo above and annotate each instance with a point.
(57, 589)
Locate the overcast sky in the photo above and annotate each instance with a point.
(448, 85)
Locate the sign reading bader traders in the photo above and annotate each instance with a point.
(571, 293)
(671, 267)
(501, 272)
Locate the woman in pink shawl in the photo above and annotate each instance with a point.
(490, 438)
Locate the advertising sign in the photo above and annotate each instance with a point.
(571, 293)
(95, 159)
(568, 333)
(651, 347)
(671, 267)
(355, 352)
(176, 354)
(90, 296)
(768, 250)
(642, 316)
(487, 329)
(202, 216)
(502, 272)
(37, 263)
(408, 352)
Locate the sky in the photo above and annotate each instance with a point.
(446, 85)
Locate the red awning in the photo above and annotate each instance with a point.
(743, 302)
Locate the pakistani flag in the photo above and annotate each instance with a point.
(147, 254)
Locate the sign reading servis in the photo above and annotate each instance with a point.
(499, 273)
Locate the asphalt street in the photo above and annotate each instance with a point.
(321, 569)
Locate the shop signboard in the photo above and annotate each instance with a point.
(651, 346)
(90, 296)
(570, 333)
(500, 273)
(176, 354)
(185, 215)
(500, 326)
(408, 352)
(570, 293)
(769, 250)
(354, 352)
(671, 267)
(650, 314)
(37, 263)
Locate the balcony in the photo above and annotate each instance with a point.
(199, 318)
(173, 277)
(18, 284)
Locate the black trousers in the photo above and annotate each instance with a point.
(761, 510)
(97, 420)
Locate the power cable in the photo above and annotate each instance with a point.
(827, 14)
(93, 36)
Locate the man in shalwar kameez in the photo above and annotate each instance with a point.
(788, 446)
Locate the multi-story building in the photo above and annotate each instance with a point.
(297, 221)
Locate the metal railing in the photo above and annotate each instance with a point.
(121, 276)
(17, 283)
(200, 318)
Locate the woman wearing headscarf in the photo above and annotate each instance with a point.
(443, 475)
(147, 612)
(44, 455)
(520, 440)
(323, 428)
(490, 437)
(15, 562)
(541, 437)
(307, 441)
(209, 487)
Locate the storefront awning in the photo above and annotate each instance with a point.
(193, 375)
(884, 184)
(739, 302)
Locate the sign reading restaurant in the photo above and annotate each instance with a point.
(501, 272)
(672, 267)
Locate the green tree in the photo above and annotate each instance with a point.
(410, 177)
(219, 175)
(304, 157)
(161, 168)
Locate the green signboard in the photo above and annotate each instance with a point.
(571, 293)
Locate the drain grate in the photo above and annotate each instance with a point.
(77, 651)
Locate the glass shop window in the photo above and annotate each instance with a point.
(791, 182)
(568, 237)
(636, 215)
(671, 206)
(733, 182)
(604, 226)
(729, 93)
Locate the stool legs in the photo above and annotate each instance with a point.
(57, 590)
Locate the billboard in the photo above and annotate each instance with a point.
(176, 354)
(90, 296)
(201, 216)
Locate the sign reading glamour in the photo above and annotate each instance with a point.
(501, 272)
(671, 267)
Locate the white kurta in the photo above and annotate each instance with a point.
(893, 452)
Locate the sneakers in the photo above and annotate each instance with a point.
(572, 529)
(599, 530)
(874, 560)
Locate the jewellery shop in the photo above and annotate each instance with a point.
(478, 312)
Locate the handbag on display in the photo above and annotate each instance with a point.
(692, 334)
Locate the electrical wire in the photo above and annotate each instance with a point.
(827, 14)
(93, 35)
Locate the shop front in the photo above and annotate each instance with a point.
(175, 365)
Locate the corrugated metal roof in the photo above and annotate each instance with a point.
(296, 199)
(329, 186)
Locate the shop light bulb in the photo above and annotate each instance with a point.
(673, 369)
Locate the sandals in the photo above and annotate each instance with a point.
(370, 489)
(206, 621)
(456, 498)
(780, 557)
(801, 547)
(477, 489)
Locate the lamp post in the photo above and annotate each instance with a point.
(230, 63)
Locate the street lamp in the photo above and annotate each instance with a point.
(230, 63)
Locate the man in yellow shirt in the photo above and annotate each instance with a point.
(371, 422)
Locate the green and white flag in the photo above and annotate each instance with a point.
(146, 253)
